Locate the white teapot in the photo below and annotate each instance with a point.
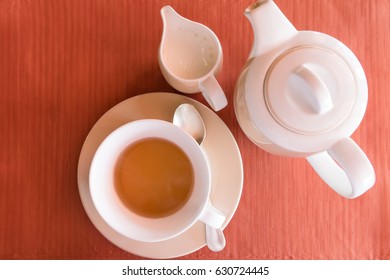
(302, 94)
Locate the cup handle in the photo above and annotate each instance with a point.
(345, 168)
(213, 93)
(212, 216)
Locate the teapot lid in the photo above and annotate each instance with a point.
(309, 90)
(312, 96)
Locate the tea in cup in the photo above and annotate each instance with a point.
(150, 181)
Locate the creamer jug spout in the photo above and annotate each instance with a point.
(270, 26)
(171, 20)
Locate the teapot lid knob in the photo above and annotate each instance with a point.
(309, 90)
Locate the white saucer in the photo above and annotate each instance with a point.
(222, 152)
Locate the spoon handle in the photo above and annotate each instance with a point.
(215, 239)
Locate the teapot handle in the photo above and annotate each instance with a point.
(345, 168)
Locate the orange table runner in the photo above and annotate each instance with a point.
(65, 63)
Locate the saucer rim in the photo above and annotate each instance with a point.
(83, 183)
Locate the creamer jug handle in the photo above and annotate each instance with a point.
(345, 168)
(213, 93)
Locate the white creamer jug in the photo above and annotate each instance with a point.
(302, 94)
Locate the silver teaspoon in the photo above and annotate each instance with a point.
(189, 119)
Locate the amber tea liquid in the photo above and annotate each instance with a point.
(153, 177)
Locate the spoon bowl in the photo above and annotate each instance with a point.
(188, 118)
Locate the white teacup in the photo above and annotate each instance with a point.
(127, 222)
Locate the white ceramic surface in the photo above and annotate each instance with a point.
(130, 224)
(190, 56)
(302, 94)
(222, 153)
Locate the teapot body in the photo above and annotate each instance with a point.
(248, 126)
(303, 94)
(281, 120)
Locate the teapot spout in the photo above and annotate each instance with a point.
(270, 26)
